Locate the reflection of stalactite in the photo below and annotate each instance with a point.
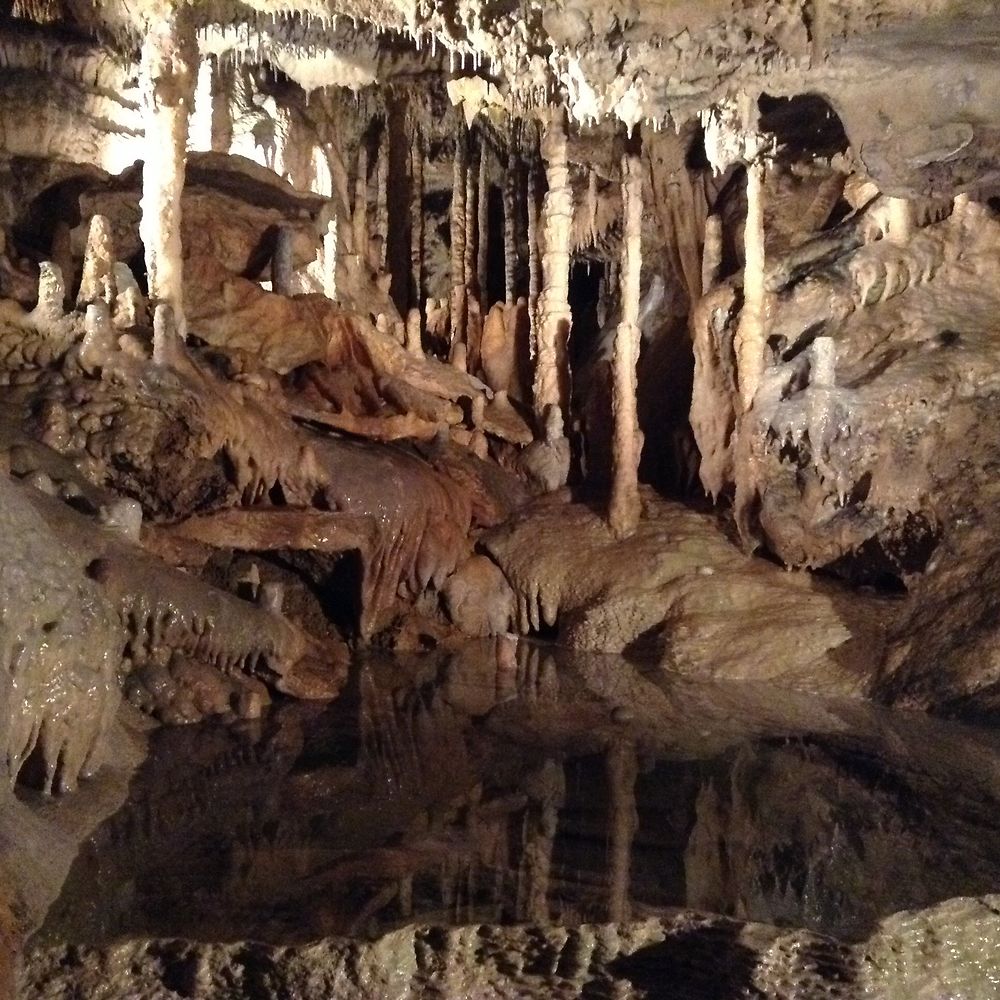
(622, 770)
(458, 236)
(547, 790)
(552, 376)
(624, 508)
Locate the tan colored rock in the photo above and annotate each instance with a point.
(478, 599)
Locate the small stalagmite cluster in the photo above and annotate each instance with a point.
(340, 338)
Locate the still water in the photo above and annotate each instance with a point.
(508, 782)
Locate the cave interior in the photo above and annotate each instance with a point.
(498, 499)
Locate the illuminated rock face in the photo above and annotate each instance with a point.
(383, 326)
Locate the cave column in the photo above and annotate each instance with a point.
(624, 507)
(360, 218)
(510, 225)
(483, 229)
(168, 70)
(622, 769)
(553, 317)
(458, 237)
(750, 332)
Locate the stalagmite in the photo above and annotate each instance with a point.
(458, 236)
(360, 219)
(483, 228)
(98, 281)
(510, 227)
(51, 295)
(282, 262)
(330, 260)
(413, 331)
(622, 768)
(167, 69)
(902, 220)
(98, 340)
(624, 507)
(554, 319)
(711, 258)
(167, 342)
(750, 332)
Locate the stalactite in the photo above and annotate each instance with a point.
(483, 228)
(360, 219)
(458, 236)
(382, 199)
(750, 331)
(200, 130)
(554, 320)
(711, 257)
(510, 225)
(167, 69)
(624, 508)
(416, 226)
(622, 770)
(282, 262)
(592, 207)
(98, 281)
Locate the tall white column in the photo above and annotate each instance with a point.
(168, 70)
(624, 508)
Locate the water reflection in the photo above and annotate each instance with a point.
(508, 782)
